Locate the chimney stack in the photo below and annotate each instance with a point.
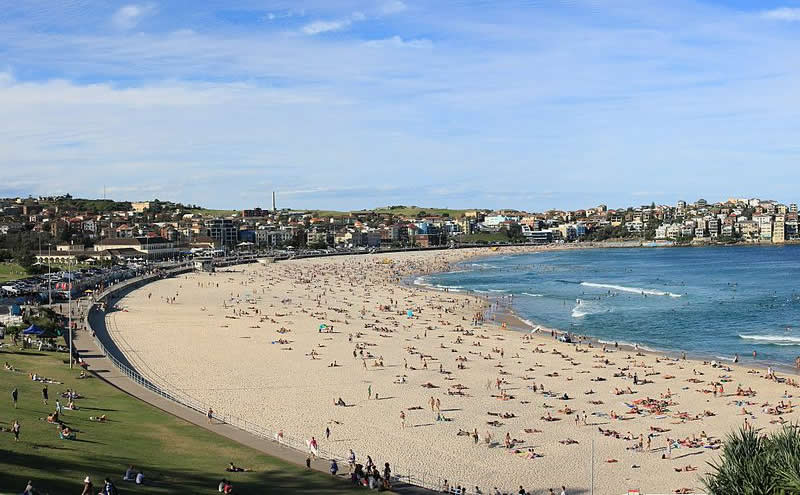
(273, 202)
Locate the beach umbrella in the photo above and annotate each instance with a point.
(410, 313)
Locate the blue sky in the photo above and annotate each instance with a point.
(526, 104)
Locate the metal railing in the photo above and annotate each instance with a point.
(400, 474)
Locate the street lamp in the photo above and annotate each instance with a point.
(69, 310)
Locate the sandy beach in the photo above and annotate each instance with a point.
(278, 344)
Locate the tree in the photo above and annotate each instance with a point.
(514, 232)
(25, 258)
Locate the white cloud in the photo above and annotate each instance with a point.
(129, 16)
(394, 7)
(782, 14)
(318, 27)
(398, 42)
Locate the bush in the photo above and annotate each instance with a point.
(755, 464)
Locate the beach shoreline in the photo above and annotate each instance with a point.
(230, 327)
(514, 320)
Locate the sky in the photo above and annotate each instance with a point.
(350, 104)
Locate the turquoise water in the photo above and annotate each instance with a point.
(712, 302)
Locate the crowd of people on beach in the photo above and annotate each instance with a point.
(553, 391)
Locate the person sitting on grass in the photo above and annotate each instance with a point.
(236, 469)
(65, 433)
(225, 486)
(130, 474)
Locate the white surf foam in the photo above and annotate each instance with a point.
(584, 308)
(628, 344)
(421, 281)
(532, 295)
(634, 290)
(772, 339)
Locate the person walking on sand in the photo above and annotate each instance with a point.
(402, 419)
(369, 392)
(14, 396)
(327, 432)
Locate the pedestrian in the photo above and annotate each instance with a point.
(14, 395)
(59, 409)
(209, 415)
(327, 433)
(387, 475)
(44, 395)
(369, 392)
(88, 487)
(109, 488)
(563, 490)
(308, 463)
(402, 419)
(334, 467)
(15, 430)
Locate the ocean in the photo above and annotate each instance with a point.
(710, 302)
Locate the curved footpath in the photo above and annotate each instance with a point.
(109, 363)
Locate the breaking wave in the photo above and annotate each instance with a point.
(633, 290)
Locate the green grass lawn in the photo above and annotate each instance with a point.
(176, 456)
(413, 211)
(216, 213)
(11, 271)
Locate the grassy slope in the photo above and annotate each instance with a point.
(216, 213)
(11, 271)
(177, 456)
(414, 210)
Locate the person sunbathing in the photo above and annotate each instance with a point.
(99, 419)
(66, 434)
(236, 469)
(686, 469)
